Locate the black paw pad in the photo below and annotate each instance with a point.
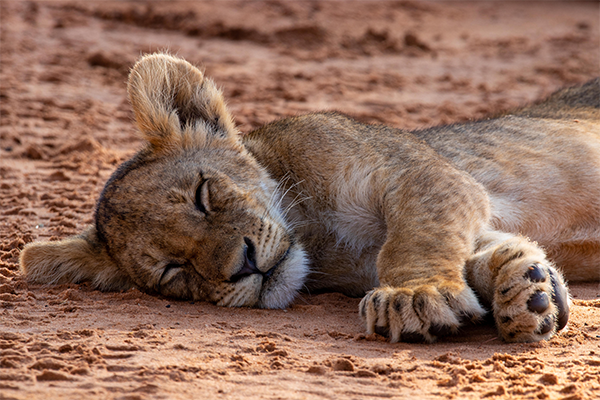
(561, 299)
(535, 273)
(546, 326)
(539, 302)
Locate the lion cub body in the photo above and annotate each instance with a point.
(429, 226)
(367, 180)
(537, 177)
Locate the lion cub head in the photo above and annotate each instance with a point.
(191, 216)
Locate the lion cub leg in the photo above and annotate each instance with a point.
(527, 294)
(423, 293)
(430, 233)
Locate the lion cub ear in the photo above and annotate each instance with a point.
(72, 260)
(175, 106)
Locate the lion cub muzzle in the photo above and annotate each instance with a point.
(249, 264)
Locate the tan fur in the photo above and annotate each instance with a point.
(425, 224)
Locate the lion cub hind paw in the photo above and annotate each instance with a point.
(531, 302)
(420, 314)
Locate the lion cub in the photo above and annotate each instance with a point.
(429, 226)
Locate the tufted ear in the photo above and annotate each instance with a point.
(75, 259)
(175, 105)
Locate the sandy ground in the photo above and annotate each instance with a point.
(66, 125)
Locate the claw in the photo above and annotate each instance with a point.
(363, 305)
(561, 299)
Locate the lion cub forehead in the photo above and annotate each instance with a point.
(147, 179)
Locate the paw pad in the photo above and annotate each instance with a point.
(535, 273)
(538, 302)
(546, 326)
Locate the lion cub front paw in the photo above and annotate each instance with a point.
(531, 301)
(417, 314)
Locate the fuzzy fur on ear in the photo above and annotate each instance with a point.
(175, 105)
(75, 259)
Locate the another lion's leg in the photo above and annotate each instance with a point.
(526, 292)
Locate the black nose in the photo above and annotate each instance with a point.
(249, 266)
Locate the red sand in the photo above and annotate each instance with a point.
(66, 124)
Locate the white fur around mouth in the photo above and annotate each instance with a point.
(288, 277)
(267, 275)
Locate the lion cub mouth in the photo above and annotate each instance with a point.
(249, 264)
(267, 275)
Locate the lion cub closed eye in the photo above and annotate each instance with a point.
(430, 227)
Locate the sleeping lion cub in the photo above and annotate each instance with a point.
(432, 227)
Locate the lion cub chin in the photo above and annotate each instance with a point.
(431, 227)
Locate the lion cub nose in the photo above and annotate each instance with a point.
(249, 266)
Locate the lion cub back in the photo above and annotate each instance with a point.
(582, 102)
(541, 168)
